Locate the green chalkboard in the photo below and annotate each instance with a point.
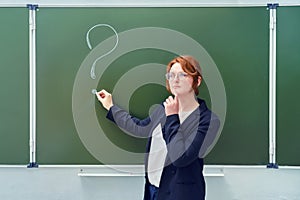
(14, 84)
(235, 38)
(288, 71)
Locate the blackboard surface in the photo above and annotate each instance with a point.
(235, 38)
(14, 84)
(288, 72)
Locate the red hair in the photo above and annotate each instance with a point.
(192, 70)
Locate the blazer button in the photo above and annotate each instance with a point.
(173, 172)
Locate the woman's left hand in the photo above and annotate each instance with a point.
(171, 106)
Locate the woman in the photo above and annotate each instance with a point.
(177, 132)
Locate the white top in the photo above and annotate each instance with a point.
(158, 152)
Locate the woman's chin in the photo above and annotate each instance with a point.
(174, 93)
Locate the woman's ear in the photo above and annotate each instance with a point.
(199, 81)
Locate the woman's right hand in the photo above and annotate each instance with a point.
(105, 98)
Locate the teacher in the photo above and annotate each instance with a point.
(179, 130)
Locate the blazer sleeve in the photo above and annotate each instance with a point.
(130, 124)
(184, 140)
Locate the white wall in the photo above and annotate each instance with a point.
(148, 2)
(63, 183)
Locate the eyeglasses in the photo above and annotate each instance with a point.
(180, 75)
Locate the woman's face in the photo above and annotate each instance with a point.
(180, 82)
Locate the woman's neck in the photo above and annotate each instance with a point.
(187, 103)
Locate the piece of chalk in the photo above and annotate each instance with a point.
(94, 91)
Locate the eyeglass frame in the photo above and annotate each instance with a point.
(179, 75)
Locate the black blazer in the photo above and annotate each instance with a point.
(182, 177)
